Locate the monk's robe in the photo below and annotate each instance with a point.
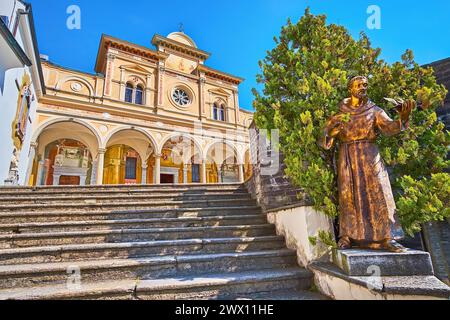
(367, 206)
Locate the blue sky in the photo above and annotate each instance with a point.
(237, 33)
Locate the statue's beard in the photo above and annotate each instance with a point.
(361, 95)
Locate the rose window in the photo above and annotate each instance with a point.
(181, 97)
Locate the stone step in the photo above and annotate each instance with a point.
(125, 204)
(127, 188)
(29, 275)
(284, 295)
(9, 241)
(123, 214)
(80, 198)
(79, 252)
(211, 286)
(43, 227)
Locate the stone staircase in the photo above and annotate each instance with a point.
(143, 242)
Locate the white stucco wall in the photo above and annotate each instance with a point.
(9, 97)
(8, 107)
(297, 225)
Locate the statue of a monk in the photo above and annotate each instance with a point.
(367, 209)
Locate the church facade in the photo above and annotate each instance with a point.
(145, 117)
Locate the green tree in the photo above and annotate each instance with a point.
(305, 77)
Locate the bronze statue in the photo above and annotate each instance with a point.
(367, 208)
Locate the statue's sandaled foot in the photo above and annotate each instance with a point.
(344, 243)
(393, 246)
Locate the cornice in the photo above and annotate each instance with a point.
(238, 133)
(133, 112)
(107, 42)
(160, 41)
(216, 74)
(49, 64)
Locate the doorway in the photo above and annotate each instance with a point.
(167, 178)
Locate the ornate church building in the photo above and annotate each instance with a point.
(145, 117)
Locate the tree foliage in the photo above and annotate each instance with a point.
(305, 77)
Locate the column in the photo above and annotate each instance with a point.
(100, 165)
(185, 173)
(202, 111)
(236, 106)
(158, 169)
(47, 170)
(122, 84)
(144, 174)
(241, 173)
(160, 89)
(148, 91)
(40, 173)
(219, 175)
(109, 73)
(204, 171)
(82, 180)
(94, 173)
(31, 158)
(56, 179)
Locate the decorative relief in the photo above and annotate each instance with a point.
(76, 86)
(103, 129)
(21, 119)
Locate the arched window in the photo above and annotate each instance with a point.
(134, 94)
(215, 112)
(139, 95)
(222, 113)
(219, 112)
(129, 93)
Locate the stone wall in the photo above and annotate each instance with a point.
(272, 191)
(442, 73)
(437, 234)
(286, 206)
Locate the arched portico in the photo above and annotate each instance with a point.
(64, 150)
(126, 154)
(224, 156)
(179, 160)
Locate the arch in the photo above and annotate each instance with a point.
(184, 135)
(137, 129)
(50, 122)
(75, 78)
(232, 146)
(64, 161)
(123, 165)
(135, 83)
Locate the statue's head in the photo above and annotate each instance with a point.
(358, 87)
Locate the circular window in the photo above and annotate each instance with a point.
(181, 97)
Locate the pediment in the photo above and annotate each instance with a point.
(219, 92)
(136, 68)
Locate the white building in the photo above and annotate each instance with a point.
(20, 87)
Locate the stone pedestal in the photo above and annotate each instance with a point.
(358, 262)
